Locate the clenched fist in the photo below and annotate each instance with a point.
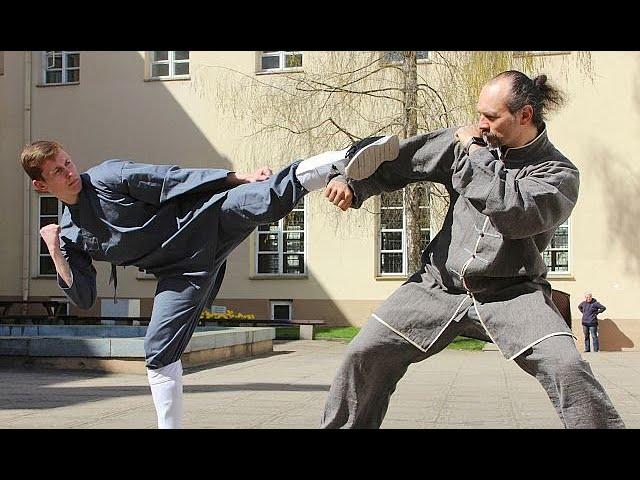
(340, 194)
(51, 236)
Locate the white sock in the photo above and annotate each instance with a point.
(312, 172)
(166, 390)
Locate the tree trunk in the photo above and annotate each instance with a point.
(412, 191)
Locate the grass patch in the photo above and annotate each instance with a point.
(287, 333)
(336, 333)
(347, 334)
(463, 343)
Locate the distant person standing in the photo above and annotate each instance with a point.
(590, 309)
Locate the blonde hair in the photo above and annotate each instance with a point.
(35, 154)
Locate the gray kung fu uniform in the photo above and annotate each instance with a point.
(179, 224)
(482, 276)
(487, 256)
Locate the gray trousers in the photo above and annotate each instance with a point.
(377, 358)
(180, 299)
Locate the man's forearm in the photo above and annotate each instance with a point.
(62, 266)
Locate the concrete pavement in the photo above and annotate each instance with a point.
(288, 388)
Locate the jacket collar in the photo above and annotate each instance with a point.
(529, 151)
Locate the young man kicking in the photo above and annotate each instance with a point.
(179, 224)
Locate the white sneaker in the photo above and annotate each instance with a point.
(365, 156)
(357, 162)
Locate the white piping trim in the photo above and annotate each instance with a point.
(541, 339)
(396, 331)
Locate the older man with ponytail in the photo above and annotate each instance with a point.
(483, 275)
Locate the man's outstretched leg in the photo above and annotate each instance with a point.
(579, 399)
(376, 359)
(251, 204)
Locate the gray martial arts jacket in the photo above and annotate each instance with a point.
(160, 218)
(503, 213)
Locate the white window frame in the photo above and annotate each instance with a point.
(282, 56)
(280, 251)
(567, 272)
(37, 235)
(275, 303)
(403, 231)
(171, 61)
(64, 68)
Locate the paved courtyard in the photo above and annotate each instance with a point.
(288, 388)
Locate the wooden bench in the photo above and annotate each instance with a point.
(54, 308)
(307, 327)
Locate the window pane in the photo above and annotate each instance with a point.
(422, 54)
(560, 238)
(181, 68)
(43, 247)
(562, 261)
(391, 219)
(393, 199)
(293, 60)
(47, 220)
(393, 56)
(184, 55)
(73, 60)
(48, 206)
(160, 55)
(281, 312)
(53, 77)
(269, 63)
(160, 70)
(426, 238)
(46, 266)
(267, 263)
(391, 241)
(294, 221)
(294, 242)
(293, 264)
(272, 227)
(268, 242)
(391, 263)
(73, 76)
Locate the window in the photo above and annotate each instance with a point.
(49, 211)
(281, 309)
(1, 63)
(166, 64)
(392, 240)
(556, 256)
(60, 67)
(396, 56)
(273, 60)
(281, 245)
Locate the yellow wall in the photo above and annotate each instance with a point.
(113, 112)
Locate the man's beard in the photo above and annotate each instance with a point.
(491, 140)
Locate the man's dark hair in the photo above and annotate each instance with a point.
(537, 93)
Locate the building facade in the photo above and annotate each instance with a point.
(317, 263)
